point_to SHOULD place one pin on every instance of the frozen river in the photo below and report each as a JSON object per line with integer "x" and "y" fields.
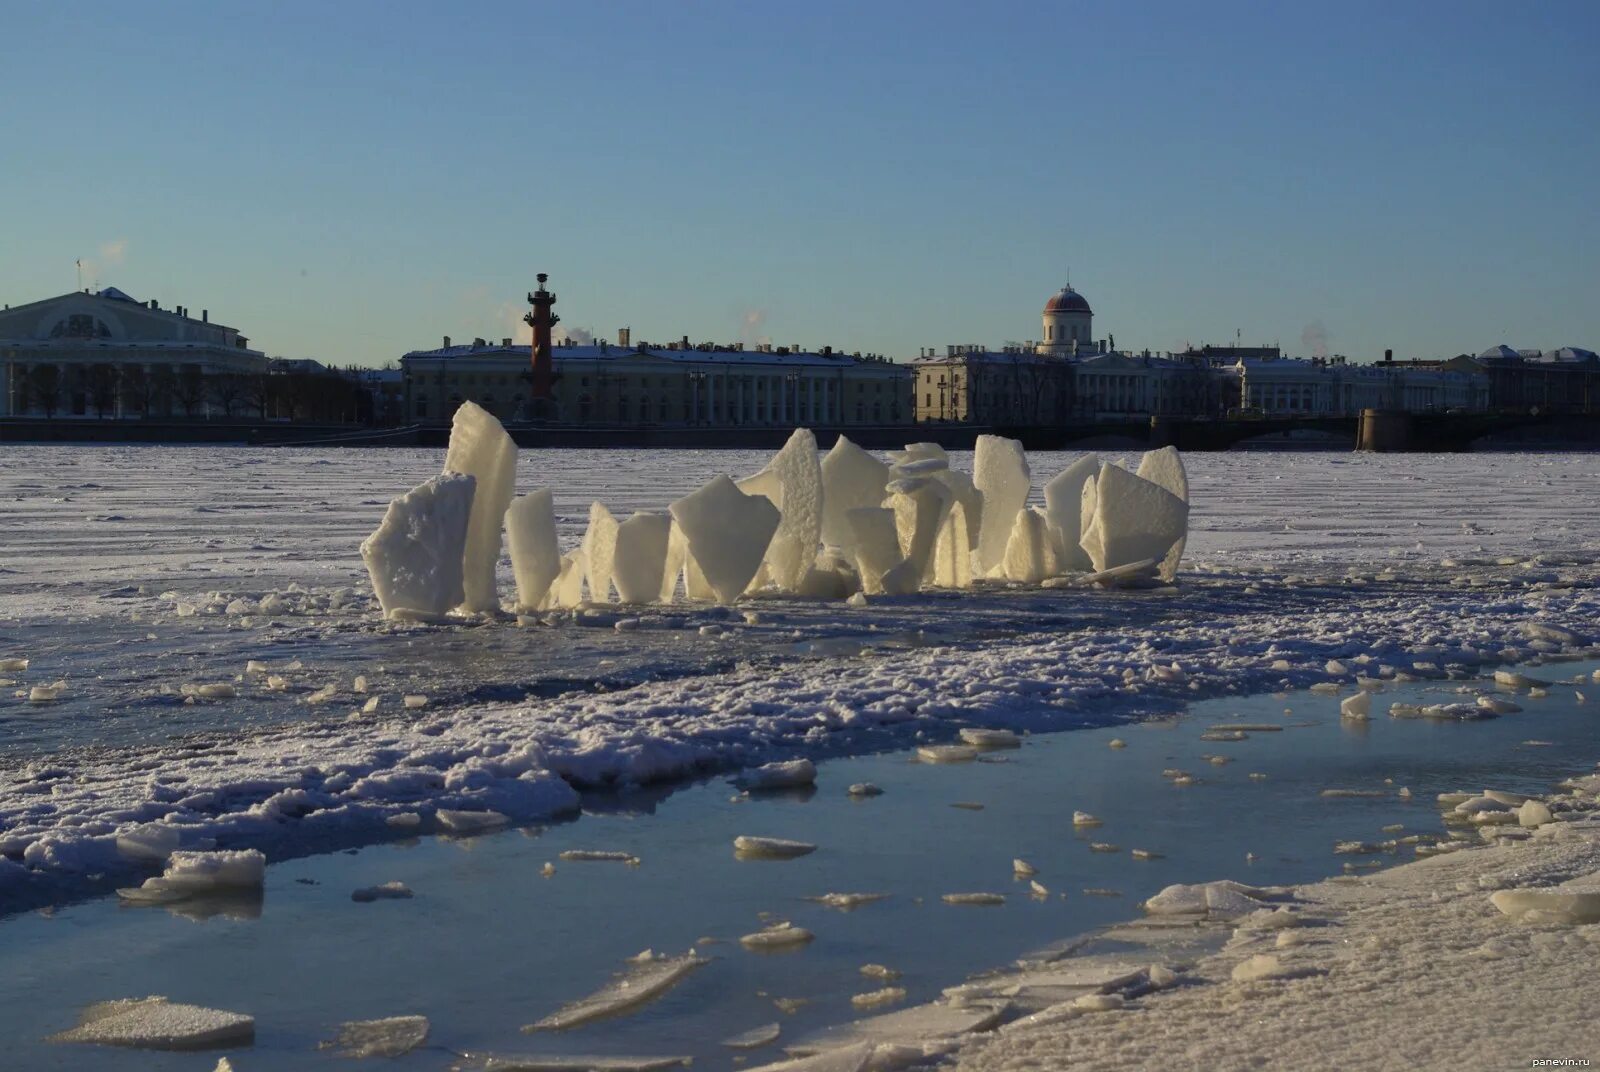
{"x": 136, "y": 574}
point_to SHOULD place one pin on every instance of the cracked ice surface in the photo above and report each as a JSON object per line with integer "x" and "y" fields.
{"x": 1284, "y": 583}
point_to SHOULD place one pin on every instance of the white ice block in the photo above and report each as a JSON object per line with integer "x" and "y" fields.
{"x": 567, "y": 590}
{"x": 952, "y": 554}
{"x": 481, "y": 449}
{"x": 641, "y": 556}
{"x": 877, "y": 545}
{"x": 535, "y": 550}
{"x": 851, "y": 478}
{"x": 1000, "y": 471}
{"x": 728, "y": 533}
{"x": 599, "y": 552}
{"x": 1063, "y": 496}
{"x": 1133, "y": 520}
{"x": 677, "y": 556}
{"x": 415, "y": 557}
{"x": 967, "y": 494}
{"x": 920, "y": 506}
{"x": 1165, "y": 467}
{"x": 1027, "y": 557}
{"x": 799, "y": 476}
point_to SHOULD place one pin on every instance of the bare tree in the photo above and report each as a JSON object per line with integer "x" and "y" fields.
{"x": 191, "y": 389}
{"x": 227, "y": 391}
{"x": 258, "y": 392}
{"x": 104, "y": 387}
{"x": 44, "y": 386}
{"x": 163, "y": 389}
{"x": 137, "y": 389}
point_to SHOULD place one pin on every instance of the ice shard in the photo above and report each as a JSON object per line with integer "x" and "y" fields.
{"x": 415, "y": 557}
{"x": 481, "y": 449}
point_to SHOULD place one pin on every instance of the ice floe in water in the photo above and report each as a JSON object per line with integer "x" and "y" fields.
{"x": 154, "y": 1023}
{"x": 647, "y": 977}
{"x": 394, "y": 1036}
{"x": 746, "y": 847}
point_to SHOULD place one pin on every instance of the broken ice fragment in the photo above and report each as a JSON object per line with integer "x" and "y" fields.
{"x": 798, "y": 473}
{"x": 791, "y": 775}
{"x": 640, "y": 558}
{"x": 865, "y": 789}
{"x": 1556, "y": 905}
{"x": 1023, "y": 868}
{"x": 783, "y": 935}
{"x": 1000, "y": 472}
{"x": 535, "y": 550}
{"x": 876, "y": 999}
{"x": 1083, "y": 818}
{"x": 1063, "y": 497}
{"x": 728, "y": 533}
{"x": 847, "y": 902}
{"x": 599, "y": 550}
{"x": 1133, "y": 520}
{"x": 155, "y": 1023}
{"x": 974, "y": 898}
{"x": 480, "y": 448}
{"x": 600, "y": 855}
{"x": 415, "y": 701}
{"x": 394, "y": 1036}
{"x": 580, "y": 1063}
{"x": 764, "y": 1035}
{"x": 765, "y": 848}
{"x": 13, "y": 665}
{"x": 980, "y": 737}
{"x": 1164, "y": 467}
{"x": 851, "y": 478}
{"x": 1357, "y": 707}
{"x": 646, "y": 979}
{"x": 415, "y": 558}
{"x": 947, "y": 753}
{"x": 470, "y": 822}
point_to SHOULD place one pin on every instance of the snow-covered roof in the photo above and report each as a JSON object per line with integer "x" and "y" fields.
{"x": 690, "y": 356}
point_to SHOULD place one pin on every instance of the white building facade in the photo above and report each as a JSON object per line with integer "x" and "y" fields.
{"x": 105, "y": 354}
{"x": 675, "y": 385}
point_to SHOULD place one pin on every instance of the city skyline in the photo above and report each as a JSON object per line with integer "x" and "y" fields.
{"x": 355, "y": 183}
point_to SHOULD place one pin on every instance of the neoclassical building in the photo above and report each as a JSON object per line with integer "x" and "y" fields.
{"x": 678, "y": 384}
{"x": 1030, "y": 383}
{"x": 104, "y": 354}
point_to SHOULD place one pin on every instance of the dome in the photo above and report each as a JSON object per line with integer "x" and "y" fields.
{"x": 1068, "y": 301}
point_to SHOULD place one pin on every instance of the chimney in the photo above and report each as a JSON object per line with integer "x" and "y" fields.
{"x": 624, "y": 336}
{"x": 205, "y": 316}
{"x": 506, "y": 343}
{"x": 685, "y": 342}
{"x": 447, "y": 342}
{"x": 1388, "y": 356}
{"x": 153, "y": 304}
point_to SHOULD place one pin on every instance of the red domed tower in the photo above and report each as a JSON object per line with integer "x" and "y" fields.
{"x": 1068, "y": 323}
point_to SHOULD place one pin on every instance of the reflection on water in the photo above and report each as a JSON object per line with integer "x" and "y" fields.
{"x": 490, "y": 942}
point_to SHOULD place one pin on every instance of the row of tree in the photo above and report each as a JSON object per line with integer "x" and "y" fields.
{"x": 109, "y": 390}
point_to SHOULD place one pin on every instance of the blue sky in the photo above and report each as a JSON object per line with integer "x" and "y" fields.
{"x": 349, "y": 181}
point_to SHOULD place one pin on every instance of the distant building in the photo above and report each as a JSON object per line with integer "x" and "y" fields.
{"x": 679, "y": 384}
{"x": 1566, "y": 380}
{"x": 105, "y": 354}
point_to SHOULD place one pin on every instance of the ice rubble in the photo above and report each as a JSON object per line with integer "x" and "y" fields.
{"x": 840, "y": 528}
